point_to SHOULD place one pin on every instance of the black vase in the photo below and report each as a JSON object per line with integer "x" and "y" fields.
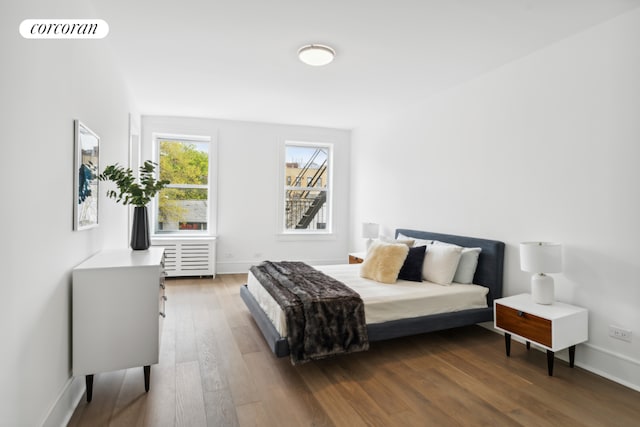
{"x": 140, "y": 231}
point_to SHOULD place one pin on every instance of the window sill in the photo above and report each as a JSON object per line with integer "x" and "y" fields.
{"x": 183, "y": 237}
{"x": 298, "y": 237}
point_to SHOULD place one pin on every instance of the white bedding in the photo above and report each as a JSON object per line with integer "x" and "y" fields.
{"x": 384, "y": 302}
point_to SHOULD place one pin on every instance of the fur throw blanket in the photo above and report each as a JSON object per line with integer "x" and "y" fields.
{"x": 324, "y": 317}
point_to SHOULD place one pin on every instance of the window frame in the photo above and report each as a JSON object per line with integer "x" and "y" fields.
{"x": 210, "y": 231}
{"x": 328, "y": 188}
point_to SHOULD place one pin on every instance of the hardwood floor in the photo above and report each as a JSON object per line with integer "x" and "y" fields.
{"x": 216, "y": 370}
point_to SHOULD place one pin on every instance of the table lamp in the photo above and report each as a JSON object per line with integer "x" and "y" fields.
{"x": 540, "y": 258}
{"x": 370, "y": 231}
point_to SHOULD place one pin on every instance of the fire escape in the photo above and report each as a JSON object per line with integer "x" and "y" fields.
{"x": 303, "y": 205}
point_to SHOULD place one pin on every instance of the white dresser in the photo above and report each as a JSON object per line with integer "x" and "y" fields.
{"x": 118, "y": 303}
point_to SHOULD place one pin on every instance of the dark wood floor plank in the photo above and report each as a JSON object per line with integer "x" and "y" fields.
{"x": 552, "y": 399}
{"x": 329, "y": 397}
{"x": 499, "y": 397}
{"x": 282, "y": 379}
{"x": 375, "y": 383}
{"x": 354, "y": 394}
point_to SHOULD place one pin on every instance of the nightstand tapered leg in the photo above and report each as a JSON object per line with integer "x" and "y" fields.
{"x": 507, "y": 344}
{"x": 550, "y": 362}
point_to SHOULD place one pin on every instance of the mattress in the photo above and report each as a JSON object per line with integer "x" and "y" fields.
{"x": 384, "y": 302}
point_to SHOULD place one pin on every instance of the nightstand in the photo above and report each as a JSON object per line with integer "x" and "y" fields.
{"x": 554, "y": 327}
{"x": 356, "y": 257}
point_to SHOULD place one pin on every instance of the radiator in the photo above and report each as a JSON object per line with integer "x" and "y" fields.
{"x": 188, "y": 256}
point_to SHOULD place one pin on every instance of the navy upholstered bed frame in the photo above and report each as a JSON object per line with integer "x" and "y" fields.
{"x": 488, "y": 273}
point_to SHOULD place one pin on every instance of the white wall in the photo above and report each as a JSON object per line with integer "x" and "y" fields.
{"x": 248, "y": 162}
{"x": 45, "y": 85}
{"x": 545, "y": 148}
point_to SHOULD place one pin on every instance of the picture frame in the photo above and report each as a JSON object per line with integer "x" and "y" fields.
{"x": 85, "y": 177}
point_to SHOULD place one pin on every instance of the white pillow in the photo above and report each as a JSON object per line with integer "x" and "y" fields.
{"x": 440, "y": 263}
{"x": 467, "y": 264}
{"x": 403, "y": 237}
{"x": 415, "y": 239}
{"x": 422, "y": 242}
{"x": 404, "y": 240}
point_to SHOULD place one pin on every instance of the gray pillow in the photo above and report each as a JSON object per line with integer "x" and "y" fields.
{"x": 467, "y": 265}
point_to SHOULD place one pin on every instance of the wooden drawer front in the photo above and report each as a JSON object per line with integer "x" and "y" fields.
{"x": 355, "y": 260}
{"x": 526, "y": 325}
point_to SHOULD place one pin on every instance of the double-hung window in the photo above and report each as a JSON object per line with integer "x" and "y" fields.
{"x": 307, "y": 192}
{"x": 183, "y": 206}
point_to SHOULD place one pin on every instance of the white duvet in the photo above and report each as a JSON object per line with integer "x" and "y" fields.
{"x": 384, "y": 302}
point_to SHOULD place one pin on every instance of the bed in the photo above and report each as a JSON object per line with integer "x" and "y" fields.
{"x": 488, "y": 276}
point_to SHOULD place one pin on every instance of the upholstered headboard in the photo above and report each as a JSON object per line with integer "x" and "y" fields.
{"x": 490, "y": 261}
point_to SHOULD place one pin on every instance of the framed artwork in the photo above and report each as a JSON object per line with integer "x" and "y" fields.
{"x": 85, "y": 177}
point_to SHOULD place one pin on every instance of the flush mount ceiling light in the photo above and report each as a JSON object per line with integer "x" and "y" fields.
{"x": 316, "y": 54}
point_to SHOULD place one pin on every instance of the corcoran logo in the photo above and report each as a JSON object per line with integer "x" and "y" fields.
{"x": 64, "y": 29}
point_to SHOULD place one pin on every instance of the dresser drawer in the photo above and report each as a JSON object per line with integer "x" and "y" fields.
{"x": 524, "y": 324}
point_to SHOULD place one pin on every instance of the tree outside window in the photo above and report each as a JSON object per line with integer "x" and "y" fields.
{"x": 183, "y": 206}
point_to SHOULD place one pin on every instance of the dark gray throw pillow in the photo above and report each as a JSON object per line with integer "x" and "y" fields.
{"x": 412, "y": 267}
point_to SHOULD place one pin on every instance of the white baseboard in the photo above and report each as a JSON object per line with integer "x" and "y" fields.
{"x": 600, "y": 361}
{"x": 62, "y": 410}
{"x": 609, "y": 364}
{"x": 235, "y": 267}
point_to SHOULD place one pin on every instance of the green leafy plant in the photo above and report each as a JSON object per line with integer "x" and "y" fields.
{"x": 130, "y": 191}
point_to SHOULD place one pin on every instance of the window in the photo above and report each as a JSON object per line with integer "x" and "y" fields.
{"x": 183, "y": 206}
{"x": 307, "y": 208}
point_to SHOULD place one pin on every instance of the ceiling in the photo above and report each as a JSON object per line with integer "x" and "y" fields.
{"x": 236, "y": 59}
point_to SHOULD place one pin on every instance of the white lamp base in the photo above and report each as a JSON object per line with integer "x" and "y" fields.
{"x": 542, "y": 289}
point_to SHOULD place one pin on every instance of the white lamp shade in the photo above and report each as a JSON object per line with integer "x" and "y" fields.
{"x": 370, "y": 230}
{"x": 541, "y": 257}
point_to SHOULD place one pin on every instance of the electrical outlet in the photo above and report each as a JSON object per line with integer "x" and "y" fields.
{"x": 620, "y": 333}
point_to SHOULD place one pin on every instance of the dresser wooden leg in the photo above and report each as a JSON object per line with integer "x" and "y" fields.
{"x": 550, "y": 362}
{"x": 147, "y": 375}
{"x": 572, "y": 355}
{"x": 507, "y": 344}
{"x": 528, "y": 345}
{"x": 89, "y": 382}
